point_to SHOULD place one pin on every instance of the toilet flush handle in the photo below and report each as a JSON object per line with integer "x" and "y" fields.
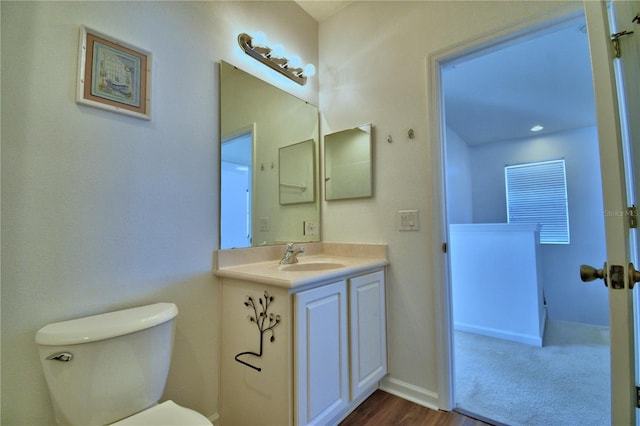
{"x": 62, "y": 356}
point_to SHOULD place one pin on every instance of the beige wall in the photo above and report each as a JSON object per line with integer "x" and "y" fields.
{"x": 102, "y": 211}
{"x": 373, "y": 68}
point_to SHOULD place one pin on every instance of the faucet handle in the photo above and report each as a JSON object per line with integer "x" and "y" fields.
{"x": 289, "y": 246}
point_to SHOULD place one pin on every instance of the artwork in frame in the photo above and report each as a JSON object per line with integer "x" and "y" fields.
{"x": 113, "y": 75}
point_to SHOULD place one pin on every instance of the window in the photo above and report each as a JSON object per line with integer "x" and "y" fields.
{"x": 537, "y": 193}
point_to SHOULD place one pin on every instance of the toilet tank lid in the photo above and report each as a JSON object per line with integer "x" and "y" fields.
{"x": 105, "y": 326}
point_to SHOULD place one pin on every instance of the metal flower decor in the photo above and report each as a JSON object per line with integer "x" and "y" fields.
{"x": 265, "y": 322}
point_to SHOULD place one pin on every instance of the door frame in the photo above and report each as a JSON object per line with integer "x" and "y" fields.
{"x": 435, "y": 62}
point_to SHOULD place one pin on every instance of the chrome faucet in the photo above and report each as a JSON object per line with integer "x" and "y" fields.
{"x": 290, "y": 256}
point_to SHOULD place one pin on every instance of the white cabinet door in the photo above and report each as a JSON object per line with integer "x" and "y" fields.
{"x": 368, "y": 332}
{"x": 321, "y": 344}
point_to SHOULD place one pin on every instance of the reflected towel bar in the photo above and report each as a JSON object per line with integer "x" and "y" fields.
{"x": 290, "y": 185}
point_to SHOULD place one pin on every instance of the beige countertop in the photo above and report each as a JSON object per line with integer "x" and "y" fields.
{"x": 262, "y": 264}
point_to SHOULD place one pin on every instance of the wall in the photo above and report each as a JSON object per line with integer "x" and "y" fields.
{"x": 459, "y": 195}
{"x": 496, "y": 289}
{"x": 373, "y": 68}
{"x": 102, "y": 211}
{"x": 568, "y": 298}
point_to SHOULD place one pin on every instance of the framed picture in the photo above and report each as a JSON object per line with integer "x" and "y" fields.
{"x": 113, "y": 75}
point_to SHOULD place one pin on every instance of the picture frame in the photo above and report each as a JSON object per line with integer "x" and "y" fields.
{"x": 113, "y": 75}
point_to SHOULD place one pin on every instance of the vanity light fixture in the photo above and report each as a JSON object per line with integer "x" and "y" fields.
{"x": 275, "y": 58}
{"x": 536, "y": 128}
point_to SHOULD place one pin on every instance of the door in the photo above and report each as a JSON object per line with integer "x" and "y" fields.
{"x": 616, "y": 269}
{"x": 321, "y": 362}
{"x": 368, "y": 332}
{"x": 625, "y": 19}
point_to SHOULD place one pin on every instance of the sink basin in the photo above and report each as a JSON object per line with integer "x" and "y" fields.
{"x": 311, "y": 266}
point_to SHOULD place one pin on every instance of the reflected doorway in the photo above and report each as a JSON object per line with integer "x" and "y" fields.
{"x": 236, "y": 183}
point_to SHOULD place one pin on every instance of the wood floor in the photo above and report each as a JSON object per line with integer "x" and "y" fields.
{"x": 384, "y": 409}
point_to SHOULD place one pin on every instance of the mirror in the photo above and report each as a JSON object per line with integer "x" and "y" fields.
{"x": 348, "y": 164}
{"x": 297, "y": 173}
{"x": 256, "y": 121}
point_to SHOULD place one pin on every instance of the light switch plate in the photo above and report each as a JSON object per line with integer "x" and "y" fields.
{"x": 264, "y": 224}
{"x": 408, "y": 220}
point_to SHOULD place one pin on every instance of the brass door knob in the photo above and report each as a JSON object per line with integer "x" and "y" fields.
{"x": 589, "y": 273}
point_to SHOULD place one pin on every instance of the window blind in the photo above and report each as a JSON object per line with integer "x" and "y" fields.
{"x": 537, "y": 193}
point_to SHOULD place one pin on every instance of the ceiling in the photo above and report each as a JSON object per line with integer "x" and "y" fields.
{"x": 542, "y": 79}
{"x": 322, "y": 9}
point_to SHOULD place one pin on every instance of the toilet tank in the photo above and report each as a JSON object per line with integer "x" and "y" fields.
{"x": 106, "y": 367}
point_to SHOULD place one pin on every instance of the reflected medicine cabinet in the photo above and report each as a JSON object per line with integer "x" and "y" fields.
{"x": 297, "y": 172}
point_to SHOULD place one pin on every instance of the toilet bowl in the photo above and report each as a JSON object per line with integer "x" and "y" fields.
{"x": 112, "y": 368}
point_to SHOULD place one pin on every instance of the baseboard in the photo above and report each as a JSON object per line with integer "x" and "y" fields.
{"x": 214, "y": 419}
{"x": 479, "y": 417}
{"x": 410, "y": 392}
{"x": 527, "y": 339}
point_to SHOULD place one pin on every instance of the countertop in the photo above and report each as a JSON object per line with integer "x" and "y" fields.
{"x": 356, "y": 258}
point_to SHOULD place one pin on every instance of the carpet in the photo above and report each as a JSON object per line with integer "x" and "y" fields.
{"x": 565, "y": 382}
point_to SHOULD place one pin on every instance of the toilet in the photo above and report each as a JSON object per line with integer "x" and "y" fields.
{"x": 111, "y": 369}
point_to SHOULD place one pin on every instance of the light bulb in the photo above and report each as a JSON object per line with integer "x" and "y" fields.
{"x": 294, "y": 62}
{"x": 259, "y": 39}
{"x": 277, "y": 51}
{"x": 309, "y": 70}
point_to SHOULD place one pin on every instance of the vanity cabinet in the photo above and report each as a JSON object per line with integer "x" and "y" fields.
{"x": 328, "y": 354}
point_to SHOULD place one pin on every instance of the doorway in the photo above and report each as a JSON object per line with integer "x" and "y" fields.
{"x": 485, "y": 133}
{"x": 236, "y": 177}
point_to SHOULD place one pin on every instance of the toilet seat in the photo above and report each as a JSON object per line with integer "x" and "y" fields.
{"x": 167, "y": 413}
